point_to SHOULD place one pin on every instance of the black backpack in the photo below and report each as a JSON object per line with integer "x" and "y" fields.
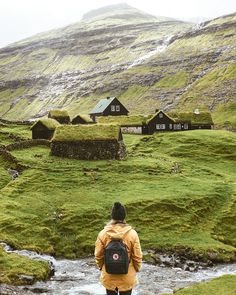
{"x": 116, "y": 257}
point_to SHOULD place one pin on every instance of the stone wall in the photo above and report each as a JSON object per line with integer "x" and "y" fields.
{"x": 91, "y": 150}
{"x": 27, "y": 144}
{"x": 12, "y": 160}
{"x": 15, "y": 122}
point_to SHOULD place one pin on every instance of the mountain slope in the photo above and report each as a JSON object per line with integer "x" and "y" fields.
{"x": 148, "y": 62}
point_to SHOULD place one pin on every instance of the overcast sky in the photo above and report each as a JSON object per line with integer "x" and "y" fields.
{"x": 23, "y": 18}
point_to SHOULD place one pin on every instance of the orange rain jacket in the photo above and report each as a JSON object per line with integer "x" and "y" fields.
{"x": 130, "y": 237}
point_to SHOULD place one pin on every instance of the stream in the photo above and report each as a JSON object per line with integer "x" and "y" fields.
{"x": 81, "y": 277}
{"x": 158, "y": 49}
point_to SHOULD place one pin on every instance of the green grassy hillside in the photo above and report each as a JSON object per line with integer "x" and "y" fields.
{"x": 147, "y": 62}
{"x": 225, "y": 285}
{"x": 59, "y": 205}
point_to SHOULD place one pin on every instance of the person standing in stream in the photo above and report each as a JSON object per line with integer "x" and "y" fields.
{"x": 118, "y": 229}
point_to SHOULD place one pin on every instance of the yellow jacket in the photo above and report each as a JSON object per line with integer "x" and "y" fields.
{"x": 130, "y": 237}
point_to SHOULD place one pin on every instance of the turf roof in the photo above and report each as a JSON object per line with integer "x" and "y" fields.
{"x": 51, "y": 124}
{"x": 86, "y": 118}
{"x": 201, "y": 118}
{"x": 95, "y": 132}
{"x": 123, "y": 120}
{"x": 58, "y": 113}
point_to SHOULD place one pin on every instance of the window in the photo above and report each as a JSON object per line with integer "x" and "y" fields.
{"x": 186, "y": 126}
{"x": 177, "y": 126}
{"x": 160, "y": 115}
{"x": 170, "y": 126}
{"x": 160, "y": 126}
{"x": 113, "y": 108}
{"x": 117, "y": 108}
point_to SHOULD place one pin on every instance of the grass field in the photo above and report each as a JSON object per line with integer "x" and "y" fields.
{"x": 225, "y": 285}
{"x": 58, "y": 205}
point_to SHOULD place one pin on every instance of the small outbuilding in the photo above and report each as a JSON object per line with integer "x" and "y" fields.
{"x": 61, "y": 116}
{"x": 82, "y": 119}
{"x": 88, "y": 142}
{"x": 44, "y": 128}
{"x": 109, "y": 106}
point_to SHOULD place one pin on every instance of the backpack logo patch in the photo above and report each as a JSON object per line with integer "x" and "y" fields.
{"x": 116, "y": 256}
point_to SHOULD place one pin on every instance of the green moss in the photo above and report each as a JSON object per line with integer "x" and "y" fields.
{"x": 217, "y": 75}
{"x": 225, "y": 115}
{"x": 22, "y": 131}
{"x": 225, "y": 285}
{"x": 123, "y": 120}
{"x": 58, "y": 113}
{"x": 51, "y": 124}
{"x": 84, "y": 117}
{"x": 178, "y": 80}
{"x": 86, "y": 132}
{"x": 12, "y": 266}
{"x": 201, "y": 118}
{"x": 68, "y": 201}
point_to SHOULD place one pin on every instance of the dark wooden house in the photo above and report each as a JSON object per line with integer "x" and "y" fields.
{"x": 163, "y": 122}
{"x": 82, "y": 119}
{"x": 44, "y": 128}
{"x": 88, "y": 142}
{"x": 109, "y": 106}
{"x": 61, "y": 116}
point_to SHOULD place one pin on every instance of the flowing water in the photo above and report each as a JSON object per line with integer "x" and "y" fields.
{"x": 81, "y": 277}
{"x": 146, "y": 56}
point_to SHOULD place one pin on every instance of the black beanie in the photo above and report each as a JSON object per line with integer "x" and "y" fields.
{"x": 118, "y": 211}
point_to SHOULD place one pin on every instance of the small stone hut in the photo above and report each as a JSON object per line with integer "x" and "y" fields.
{"x": 88, "y": 142}
{"x": 82, "y": 119}
{"x": 61, "y": 116}
{"x": 44, "y": 128}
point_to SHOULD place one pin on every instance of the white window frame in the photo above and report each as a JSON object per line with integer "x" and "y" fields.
{"x": 170, "y": 126}
{"x": 113, "y": 108}
{"x": 177, "y": 126}
{"x": 160, "y": 126}
{"x": 186, "y": 126}
{"x": 160, "y": 115}
{"x": 117, "y": 108}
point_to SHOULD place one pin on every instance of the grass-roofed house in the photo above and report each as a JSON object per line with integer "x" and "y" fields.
{"x": 162, "y": 121}
{"x": 109, "y": 106}
{"x": 44, "y": 128}
{"x": 88, "y": 142}
{"x": 61, "y": 116}
{"x": 158, "y": 122}
{"x": 198, "y": 120}
{"x": 82, "y": 119}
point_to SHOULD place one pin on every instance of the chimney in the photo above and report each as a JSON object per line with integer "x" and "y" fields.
{"x": 108, "y": 97}
{"x": 157, "y": 110}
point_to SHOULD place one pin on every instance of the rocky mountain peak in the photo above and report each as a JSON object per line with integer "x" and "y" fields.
{"x": 121, "y": 10}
